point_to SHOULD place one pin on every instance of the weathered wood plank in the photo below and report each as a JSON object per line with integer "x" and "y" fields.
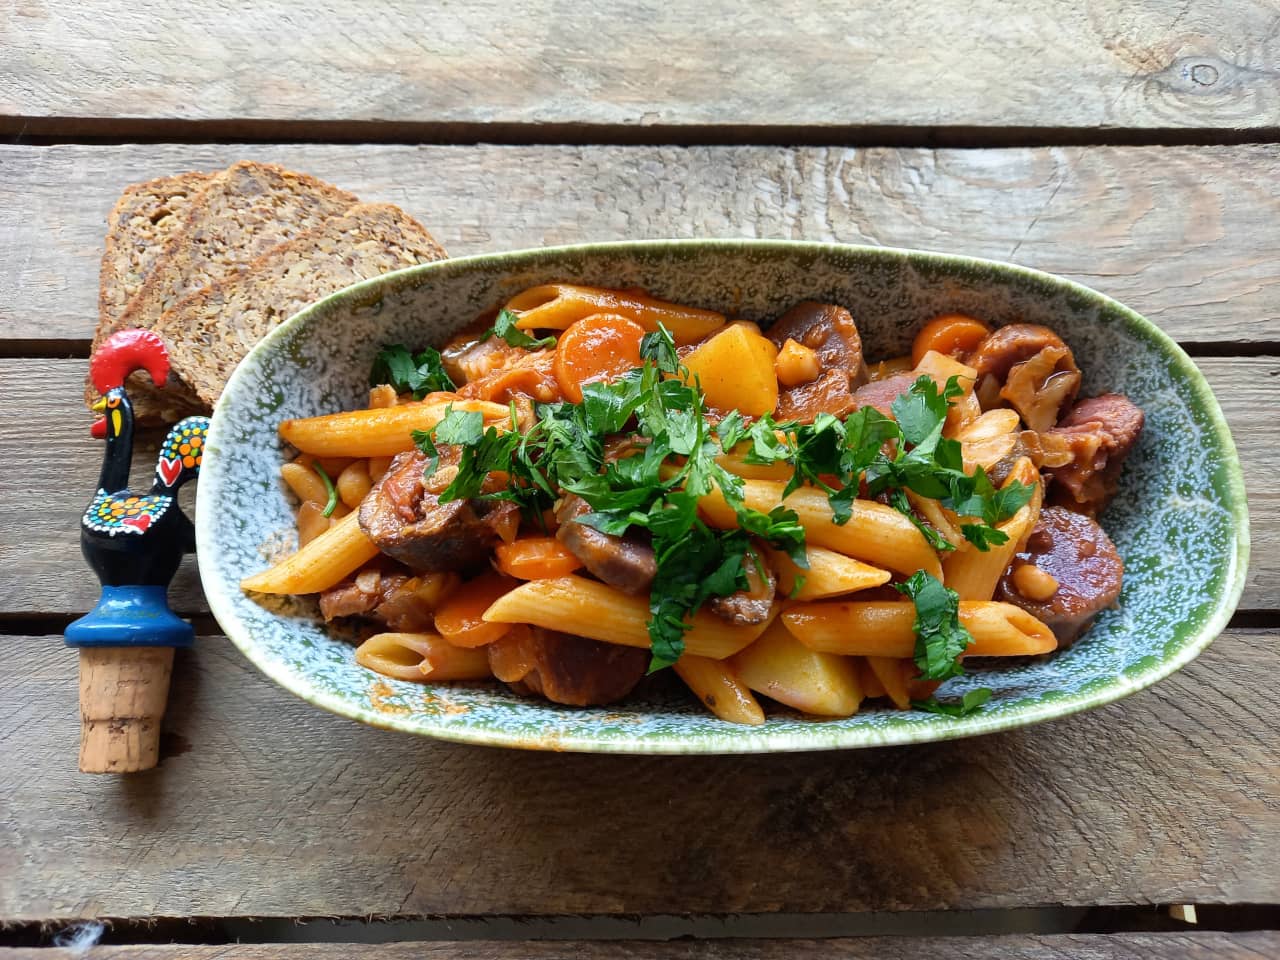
{"x": 1174, "y": 232}
{"x": 633, "y": 64}
{"x": 265, "y": 806}
{"x": 1121, "y": 946}
{"x": 47, "y": 485}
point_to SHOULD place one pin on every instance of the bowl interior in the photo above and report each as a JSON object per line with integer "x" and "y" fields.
{"x": 1179, "y": 520}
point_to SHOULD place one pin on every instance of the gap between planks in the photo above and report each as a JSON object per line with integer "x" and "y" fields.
{"x": 918, "y": 926}
{"x": 111, "y": 131}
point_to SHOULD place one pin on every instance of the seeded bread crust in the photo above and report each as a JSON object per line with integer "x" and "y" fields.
{"x": 138, "y": 229}
{"x": 243, "y": 212}
{"x": 210, "y": 331}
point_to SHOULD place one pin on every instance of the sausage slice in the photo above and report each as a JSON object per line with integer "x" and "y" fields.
{"x": 627, "y": 563}
{"x": 829, "y": 331}
{"x": 1077, "y": 553}
{"x": 408, "y": 522}
{"x": 1097, "y": 435}
{"x": 564, "y": 668}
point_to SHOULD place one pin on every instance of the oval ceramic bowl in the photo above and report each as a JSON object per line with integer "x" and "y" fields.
{"x": 1179, "y": 521}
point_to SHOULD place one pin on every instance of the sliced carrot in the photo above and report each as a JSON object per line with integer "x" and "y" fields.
{"x": 596, "y": 348}
{"x": 460, "y": 618}
{"x": 952, "y": 333}
{"x": 536, "y": 558}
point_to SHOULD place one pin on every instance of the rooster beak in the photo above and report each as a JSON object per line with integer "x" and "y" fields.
{"x": 100, "y": 405}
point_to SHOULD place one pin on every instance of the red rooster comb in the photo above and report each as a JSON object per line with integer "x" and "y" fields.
{"x": 124, "y": 352}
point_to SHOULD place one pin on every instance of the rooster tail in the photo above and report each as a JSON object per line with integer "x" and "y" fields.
{"x": 181, "y": 454}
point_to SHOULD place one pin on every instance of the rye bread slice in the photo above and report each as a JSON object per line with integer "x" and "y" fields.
{"x": 243, "y": 212}
{"x": 212, "y": 330}
{"x": 138, "y": 227}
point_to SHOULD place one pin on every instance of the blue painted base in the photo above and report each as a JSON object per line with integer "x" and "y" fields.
{"x": 131, "y": 617}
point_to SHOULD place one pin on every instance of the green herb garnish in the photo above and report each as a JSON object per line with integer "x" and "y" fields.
{"x": 332, "y": 503}
{"x": 417, "y": 373}
{"x": 968, "y": 704}
{"x": 505, "y": 328}
{"x": 940, "y": 636}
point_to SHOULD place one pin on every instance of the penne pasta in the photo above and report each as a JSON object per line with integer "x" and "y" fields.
{"x": 554, "y": 306}
{"x": 973, "y": 573}
{"x": 305, "y": 483}
{"x": 875, "y": 534}
{"x": 737, "y": 465}
{"x": 783, "y": 669}
{"x": 830, "y": 574}
{"x": 720, "y": 689}
{"x": 311, "y": 522}
{"x": 872, "y": 689}
{"x": 380, "y": 432}
{"x": 893, "y": 676}
{"x": 592, "y": 609}
{"x": 886, "y": 629}
{"x": 326, "y": 560}
{"x": 421, "y": 657}
{"x": 941, "y": 368}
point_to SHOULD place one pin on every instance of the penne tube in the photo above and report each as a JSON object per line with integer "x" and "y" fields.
{"x": 875, "y": 534}
{"x": 738, "y": 466}
{"x": 311, "y": 522}
{"x": 872, "y": 689}
{"x": 554, "y": 306}
{"x": 964, "y": 408}
{"x": 886, "y": 629}
{"x": 326, "y": 560}
{"x": 892, "y": 675}
{"x": 937, "y": 517}
{"x": 830, "y": 574}
{"x": 397, "y": 655}
{"x": 783, "y": 669}
{"x": 720, "y": 689}
{"x": 973, "y": 573}
{"x": 305, "y": 483}
{"x": 421, "y": 657}
{"x": 380, "y": 432}
{"x": 592, "y": 609}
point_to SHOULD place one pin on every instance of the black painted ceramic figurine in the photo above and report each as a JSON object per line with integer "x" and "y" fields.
{"x": 134, "y": 543}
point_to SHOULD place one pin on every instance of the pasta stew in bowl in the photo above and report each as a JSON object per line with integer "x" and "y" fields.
{"x": 800, "y": 508}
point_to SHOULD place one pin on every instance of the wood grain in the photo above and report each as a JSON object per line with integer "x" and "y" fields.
{"x": 556, "y": 68}
{"x": 1176, "y": 233}
{"x": 265, "y": 806}
{"x": 39, "y": 545}
{"x": 1122, "y": 946}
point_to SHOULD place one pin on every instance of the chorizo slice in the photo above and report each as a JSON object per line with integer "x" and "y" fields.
{"x": 627, "y": 562}
{"x": 565, "y": 668}
{"x": 829, "y": 331}
{"x": 1094, "y": 438}
{"x": 1075, "y": 573}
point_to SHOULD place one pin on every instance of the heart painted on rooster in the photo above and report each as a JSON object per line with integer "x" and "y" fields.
{"x": 169, "y": 470}
{"x": 139, "y": 523}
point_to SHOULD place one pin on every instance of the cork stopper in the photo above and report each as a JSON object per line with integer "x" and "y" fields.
{"x": 122, "y": 698}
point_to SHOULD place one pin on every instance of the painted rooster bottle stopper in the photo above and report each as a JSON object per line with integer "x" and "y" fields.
{"x": 134, "y": 543}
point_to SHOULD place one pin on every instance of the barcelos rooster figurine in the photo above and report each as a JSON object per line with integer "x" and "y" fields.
{"x": 134, "y": 543}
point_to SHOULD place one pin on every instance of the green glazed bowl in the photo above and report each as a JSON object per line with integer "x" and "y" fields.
{"x": 1179, "y": 521}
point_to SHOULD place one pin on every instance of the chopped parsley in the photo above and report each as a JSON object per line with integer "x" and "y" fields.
{"x": 968, "y": 704}
{"x": 332, "y": 502}
{"x": 654, "y": 482}
{"x": 940, "y": 636}
{"x": 417, "y": 373}
{"x": 504, "y": 327}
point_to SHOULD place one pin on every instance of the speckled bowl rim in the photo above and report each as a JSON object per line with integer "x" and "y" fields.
{"x": 747, "y": 740}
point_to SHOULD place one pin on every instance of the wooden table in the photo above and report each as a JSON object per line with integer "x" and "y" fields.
{"x": 1133, "y": 147}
